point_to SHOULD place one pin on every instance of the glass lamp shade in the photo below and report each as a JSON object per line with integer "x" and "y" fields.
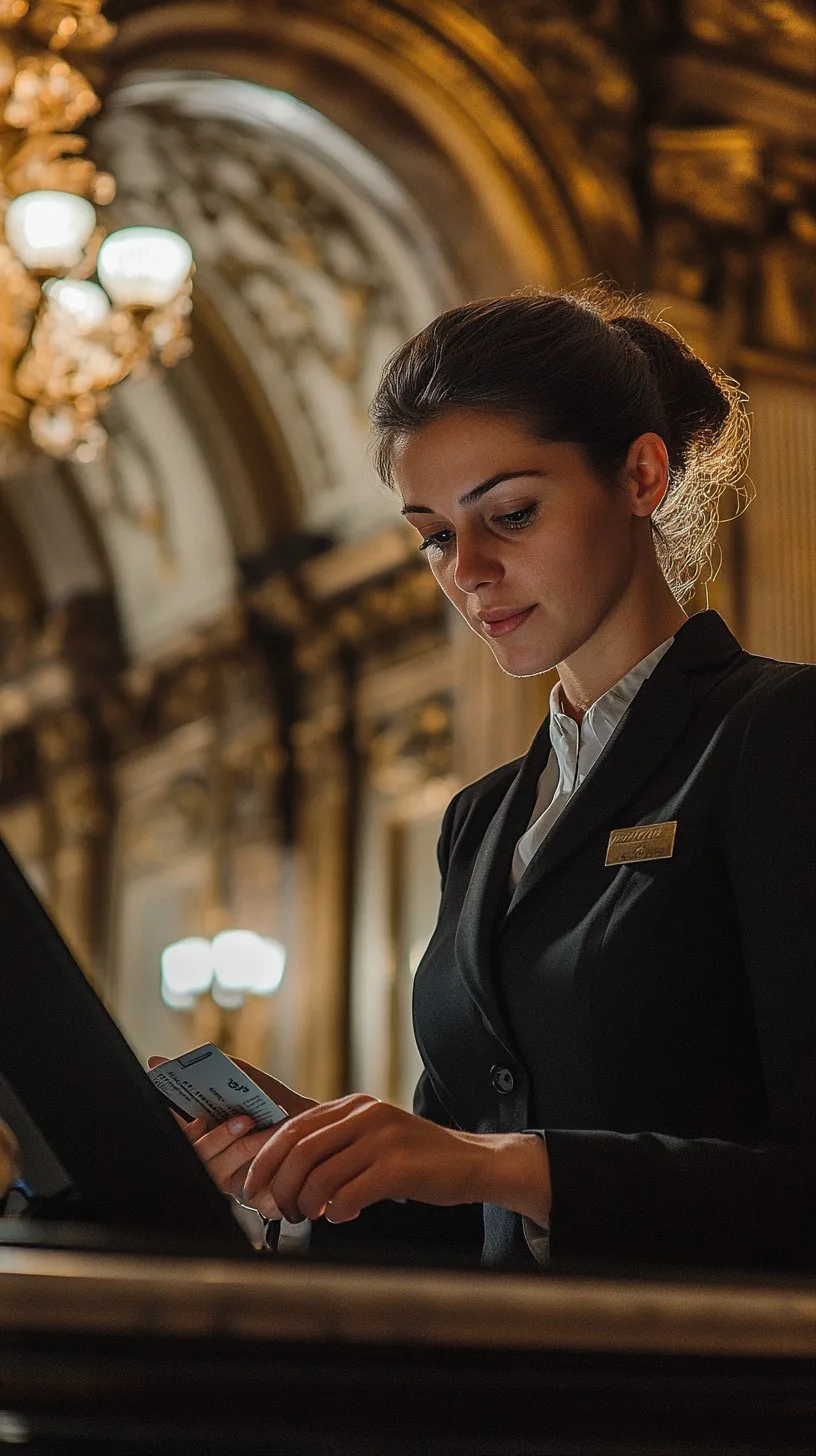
{"x": 186, "y": 971}
{"x": 246, "y": 963}
{"x": 143, "y": 267}
{"x": 49, "y": 231}
{"x": 269, "y": 969}
{"x": 86, "y": 304}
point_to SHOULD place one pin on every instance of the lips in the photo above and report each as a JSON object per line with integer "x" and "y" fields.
{"x": 498, "y": 623}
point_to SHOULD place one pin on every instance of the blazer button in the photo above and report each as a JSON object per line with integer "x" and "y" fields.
{"x": 502, "y": 1079}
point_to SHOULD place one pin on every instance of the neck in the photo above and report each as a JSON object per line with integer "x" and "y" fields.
{"x": 625, "y": 636}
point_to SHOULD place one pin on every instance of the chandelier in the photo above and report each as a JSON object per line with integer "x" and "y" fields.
{"x": 65, "y": 339}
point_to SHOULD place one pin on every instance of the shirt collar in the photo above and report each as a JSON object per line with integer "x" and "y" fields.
{"x": 603, "y": 716}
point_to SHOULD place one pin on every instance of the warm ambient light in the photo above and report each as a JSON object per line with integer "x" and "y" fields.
{"x": 144, "y": 267}
{"x": 235, "y": 964}
{"x": 49, "y": 231}
{"x": 187, "y": 972}
{"x": 87, "y": 304}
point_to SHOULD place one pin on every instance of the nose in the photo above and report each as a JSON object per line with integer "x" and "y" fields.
{"x": 476, "y": 564}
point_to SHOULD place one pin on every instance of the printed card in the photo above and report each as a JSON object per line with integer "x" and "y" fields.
{"x": 206, "y": 1083}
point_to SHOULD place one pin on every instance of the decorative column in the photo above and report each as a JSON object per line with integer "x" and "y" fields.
{"x": 77, "y": 806}
{"x": 323, "y": 868}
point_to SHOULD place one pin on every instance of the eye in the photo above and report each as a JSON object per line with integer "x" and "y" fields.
{"x": 514, "y": 519}
{"x": 511, "y": 520}
{"x": 435, "y": 542}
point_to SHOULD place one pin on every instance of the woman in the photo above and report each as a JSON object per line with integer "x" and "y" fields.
{"x": 615, "y": 1011}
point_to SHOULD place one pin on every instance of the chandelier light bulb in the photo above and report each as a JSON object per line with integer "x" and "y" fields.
{"x": 269, "y": 968}
{"x": 237, "y": 956}
{"x": 186, "y": 971}
{"x": 144, "y": 267}
{"x": 86, "y": 304}
{"x": 49, "y": 231}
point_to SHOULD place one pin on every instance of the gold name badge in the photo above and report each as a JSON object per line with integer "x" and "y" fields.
{"x": 645, "y": 841}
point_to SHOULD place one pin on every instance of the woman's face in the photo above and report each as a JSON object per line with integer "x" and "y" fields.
{"x": 527, "y": 543}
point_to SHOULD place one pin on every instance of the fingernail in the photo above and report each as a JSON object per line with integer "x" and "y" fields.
{"x": 239, "y": 1124}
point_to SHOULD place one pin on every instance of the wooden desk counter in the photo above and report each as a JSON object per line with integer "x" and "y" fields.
{"x": 272, "y": 1301}
{"x": 103, "y": 1353}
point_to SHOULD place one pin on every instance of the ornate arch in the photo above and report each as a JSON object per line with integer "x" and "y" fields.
{"x": 516, "y": 118}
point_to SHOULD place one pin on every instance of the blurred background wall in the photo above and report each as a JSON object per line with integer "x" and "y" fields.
{"x": 230, "y": 693}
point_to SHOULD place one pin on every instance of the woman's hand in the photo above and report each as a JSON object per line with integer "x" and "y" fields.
{"x": 9, "y": 1153}
{"x": 228, "y": 1149}
{"x": 336, "y": 1158}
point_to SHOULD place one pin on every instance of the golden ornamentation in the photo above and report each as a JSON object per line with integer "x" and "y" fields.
{"x": 55, "y": 162}
{"x": 574, "y": 64}
{"x": 409, "y": 598}
{"x": 172, "y": 822}
{"x": 786, "y": 317}
{"x": 45, "y": 94}
{"x": 55, "y": 366}
{"x": 714, "y": 172}
{"x": 79, "y": 805}
{"x": 60, "y": 23}
{"x": 64, "y": 738}
{"x": 786, "y": 314}
{"x": 411, "y": 747}
{"x": 773, "y": 32}
{"x": 684, "y": 259}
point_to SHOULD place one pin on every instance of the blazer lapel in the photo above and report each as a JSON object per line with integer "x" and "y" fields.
{"x": 642, "y": 740}
{"x": 488, "y": 891}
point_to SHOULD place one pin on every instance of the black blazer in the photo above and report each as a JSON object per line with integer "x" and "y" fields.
{"x": 655, "y": 1019}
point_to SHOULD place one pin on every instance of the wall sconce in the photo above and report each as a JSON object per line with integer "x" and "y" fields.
{"x": 234, "y": 964}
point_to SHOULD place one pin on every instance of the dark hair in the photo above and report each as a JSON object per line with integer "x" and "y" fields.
{"x": 591, "y": 367}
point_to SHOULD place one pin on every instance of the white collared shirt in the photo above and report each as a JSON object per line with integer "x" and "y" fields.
{"x": 576, "y": 750}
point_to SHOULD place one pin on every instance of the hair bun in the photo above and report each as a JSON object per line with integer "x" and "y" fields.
{"x": 695, "y": 403}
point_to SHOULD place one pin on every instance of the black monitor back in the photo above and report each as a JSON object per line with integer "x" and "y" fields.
{"x": 66, "y": 1064}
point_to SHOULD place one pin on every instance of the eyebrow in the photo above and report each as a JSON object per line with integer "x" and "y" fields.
{"x": 476, "y": 493}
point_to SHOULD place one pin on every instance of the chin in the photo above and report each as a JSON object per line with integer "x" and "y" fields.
{"x": 523, "y": 664}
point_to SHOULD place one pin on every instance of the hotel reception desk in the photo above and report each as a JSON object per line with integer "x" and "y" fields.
{"x": 110, "y": 1353}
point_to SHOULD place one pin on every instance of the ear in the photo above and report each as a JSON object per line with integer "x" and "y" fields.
{"x": 645, "y": 474}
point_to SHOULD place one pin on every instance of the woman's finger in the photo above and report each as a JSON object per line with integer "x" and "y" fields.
{"x": 310, "y": 1158}
{"x": 8, "y": 1141}
{"x": 216, "y": 1139}
{"x": 324, "y": 1183}
{"x": 9, "y": 1153}
{"x": 298, "y": 1129}
{"x": 192, "y": 1130}
{"x": 236, "y": 1157}
{"x": 349, "y": 1201}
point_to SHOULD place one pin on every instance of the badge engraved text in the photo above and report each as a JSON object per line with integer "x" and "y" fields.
{"x": 644, "y": 841}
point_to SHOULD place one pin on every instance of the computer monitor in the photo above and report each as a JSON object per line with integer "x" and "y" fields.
{"x": 99, "y": 1146}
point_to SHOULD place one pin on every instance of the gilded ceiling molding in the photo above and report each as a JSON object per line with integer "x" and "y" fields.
{"x": 736, "y": 225}
{"x": 780, "y": 33}
{"x": 559, "y": 208}
{"x": 714, "y": 172}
